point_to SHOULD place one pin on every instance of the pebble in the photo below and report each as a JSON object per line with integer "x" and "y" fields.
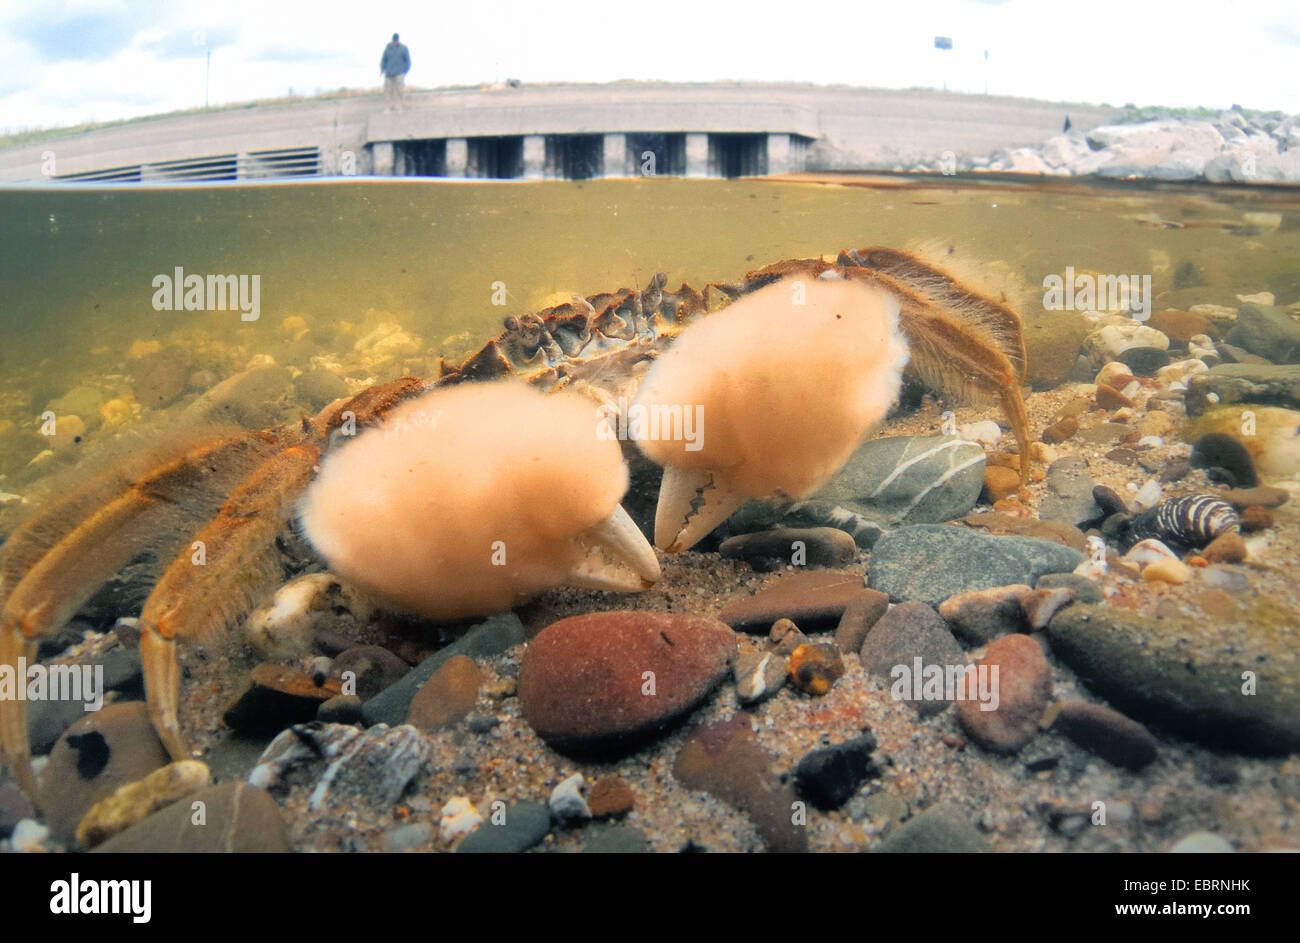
{"x": 47, "y": 719}
{"x": 1145, "y": 361}
{"x": 1024, "y": 685}
{"x": 940, "y": 829}
{"x": 932, "y": 562}
{"x": 1104, "y": 433}
{"x": 135, "y": 801}
{"x": 908, "y": 479}
{"x": 567, "y": 804}
{"x": 1106, "y": 732}
{"x": 318, "y": 388}
{"x": 982, "y": 615}
{"x": 1255, "y": 518}
{"x": 986, "y": 432}
{"x": 97, "y": 755}
{"x": 14, "y": 807}
{"x": 815, "y": 601}
{"x": 1070, "y": 493}
{"x": 1148, "y": 551}
{"x": 457, "y": 819}
{"x": 1167, "y": 570}
{"x": 785, "y": 637}
{"x": 491, "y": 637}
{"x": 1264, "y": 383}
{"x": 1181, "y": 326}
{"x": 1176, "y": 672}
{"x": 1216, "y": 450}
{"x": 1226, "y": 548}
{"x": 792, "y": 546}
{"x": 373, "y": 668}
{"x": 1109, "y": 500}
{"x": 1147, "y": 496}
{"x": 1112, "y": 373}
{"x": 610, "y": 797}
{"x": 1217, "y": 577}
{"x": 616, "y": 840}
{"x": 814, "y": 668}
{"x": 1268, "y": 331}
{"x": 827, "y": 777}
{"x": 278, "y": 697}
{"x": 522, "y": 826}
{"x": 1110, "y": 398}
{"x": 340, "y": 709}
{"x": 375, "y": 768}
{"x": 608, "y": 681}
{"x": 1264, "y": 496}
{"x": 414, "y": 837}
{"x": 29, "y": 837}
{"x": 1202, "y": 843}
{"x": 1112, "y": 340}
{"x": 725, "y": 760}
{"x": 447, "y": 697}
{"x": 1040, "y": 605}
{"x": 859, "y": 616}
{"x": 759, "y": 676}
{"x": 237, "y": 818}
{"x": 1000, "y": 482}
{"x": 908, "y": 631}
{"x": 1060, "y": 431}
{"x": 1085, "y": 590}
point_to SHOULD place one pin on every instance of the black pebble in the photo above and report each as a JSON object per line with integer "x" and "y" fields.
{"x": 1222, "y": 453}
{"x": 92, "y": 753}
{"x": 1144, "y": 361}
{"x": 829, "y": 776}
{"x": 1108, "y": 500}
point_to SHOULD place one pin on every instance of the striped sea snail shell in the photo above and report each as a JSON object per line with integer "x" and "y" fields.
{"x": 1190, "y": 521}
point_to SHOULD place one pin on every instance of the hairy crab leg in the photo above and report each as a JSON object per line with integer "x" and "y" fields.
{"x": 13, "y": 712}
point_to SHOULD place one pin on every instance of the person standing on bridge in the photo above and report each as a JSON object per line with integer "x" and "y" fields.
{"x": 394, "y": 65}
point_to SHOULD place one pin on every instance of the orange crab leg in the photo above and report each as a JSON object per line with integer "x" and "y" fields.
{"x": 13, "y": 711}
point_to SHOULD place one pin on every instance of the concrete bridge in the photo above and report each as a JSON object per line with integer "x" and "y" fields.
{"x": 554, "y": 131}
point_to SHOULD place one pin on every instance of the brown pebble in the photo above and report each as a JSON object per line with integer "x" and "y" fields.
{"x": 1041, "y": 604}
{"x": 1110, "y": 398}
{"x": 448, "y": 696}
{"x": 1108, "y": 733}
{"x": 981, "y": 615}
{"x": 610, "y": 797}
{"x": 815, "y": 667}
{"x": 1001, "y": 460}
{"x": 1060, "y": 431}
{"x": 1259, "y": 496}
{"x": 1024, "y": 685}
{"x": 815, "y": 600}
{"x": 278, "y": 697}
{"x": 1226, "y": 548}
{"x": 785, "y": 637}
{"x": 1255, "y": 518}
{"x": 1074, "y": 408}
{"x": 953, "y": 741}
{"x": 858, "y": 619}
{"x": 1000, "y": 483}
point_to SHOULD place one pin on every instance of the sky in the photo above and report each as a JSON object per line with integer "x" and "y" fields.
{"x": 64, "y": 63}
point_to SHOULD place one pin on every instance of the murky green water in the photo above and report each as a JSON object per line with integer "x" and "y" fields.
{"x": 77, "y": 264}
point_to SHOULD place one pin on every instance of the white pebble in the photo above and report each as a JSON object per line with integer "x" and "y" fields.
{"x": 1148, "y": 551}
{"x": 1202, "y": 842}
{"x": 29, "y": 836}
{"x": 987, "y": 433}
{"x": 459, "y": 818}
{"x": 1148, "y": 495}
{"x": 1150, "y": 441}
{"x": 566, "y": 802}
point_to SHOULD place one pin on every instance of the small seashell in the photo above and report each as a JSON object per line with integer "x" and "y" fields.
{"x": 1187, "y": 522}
{"x": 1148, "y": 496}
{"x": 1148, "y": 551}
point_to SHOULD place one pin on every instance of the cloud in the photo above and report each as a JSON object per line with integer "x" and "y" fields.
{"x": 298, "y": 54}
{"x": 191, "y": 44}
{"x": 87, "y": 36}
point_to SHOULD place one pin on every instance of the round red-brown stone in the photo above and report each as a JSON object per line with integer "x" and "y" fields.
{"x": 608, "y": 681}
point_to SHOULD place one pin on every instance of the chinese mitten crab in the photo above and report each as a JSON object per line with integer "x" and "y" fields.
{"x": 473, "y": 497}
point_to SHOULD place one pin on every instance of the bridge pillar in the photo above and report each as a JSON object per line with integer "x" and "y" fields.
{"x": 457, "y": 157}
{"x": 778, "y": 154}
{"x": 534, "y": 156}
{"x": 381, "y": 157}
{"x": 697, "y": 155}
{"x": 615, "y": 155}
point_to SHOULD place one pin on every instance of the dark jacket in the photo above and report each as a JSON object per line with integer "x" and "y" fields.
{"x": 396, "y": 60}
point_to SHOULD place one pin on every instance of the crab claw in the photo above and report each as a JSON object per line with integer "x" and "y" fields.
{"x": 617, "y": 557}
{"x": 476, "y": 497}
{"x": 789, "y": 378}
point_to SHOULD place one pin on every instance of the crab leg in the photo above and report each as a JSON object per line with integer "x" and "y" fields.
{"x": 619, "y": 559}
{"x": 692, "y": 501}
{"x": 13, "y": 712}
{"x": 203, "y": 595}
